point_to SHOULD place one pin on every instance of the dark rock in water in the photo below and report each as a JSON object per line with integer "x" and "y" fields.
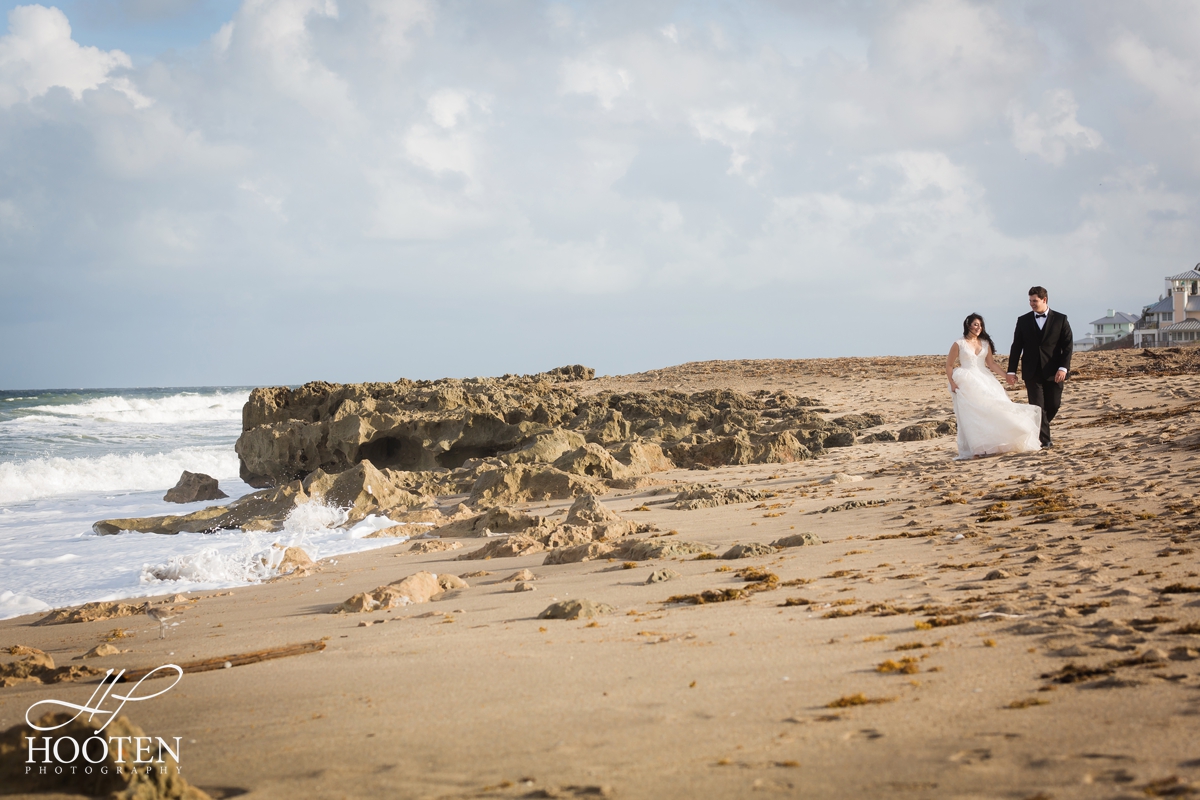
{"x": 194, "y": 487}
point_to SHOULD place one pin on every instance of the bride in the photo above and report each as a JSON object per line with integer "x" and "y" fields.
{"x": 988, "y": 422}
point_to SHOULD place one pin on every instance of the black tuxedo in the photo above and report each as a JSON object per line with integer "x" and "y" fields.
{"x": 1041, "y": 352}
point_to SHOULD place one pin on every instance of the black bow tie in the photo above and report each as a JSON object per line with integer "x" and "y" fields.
{"x": 1039, "y": 316}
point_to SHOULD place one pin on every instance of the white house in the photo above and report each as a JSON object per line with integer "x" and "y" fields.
{"x": 1175, "y": 318}
{"x": 1108, "y": 328}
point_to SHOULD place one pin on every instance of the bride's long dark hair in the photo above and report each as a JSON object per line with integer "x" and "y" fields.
{"x": 983, "y": 334}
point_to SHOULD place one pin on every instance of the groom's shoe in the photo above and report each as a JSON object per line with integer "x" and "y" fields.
{"x": 1047, "y": 445}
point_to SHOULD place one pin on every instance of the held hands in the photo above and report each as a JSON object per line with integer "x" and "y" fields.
{"x": 1011, "y": 380}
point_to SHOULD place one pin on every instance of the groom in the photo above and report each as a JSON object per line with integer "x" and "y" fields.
{"x": 1044, "y": 337}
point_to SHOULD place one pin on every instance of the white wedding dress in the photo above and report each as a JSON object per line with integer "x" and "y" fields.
{"x": 988, "y": 422}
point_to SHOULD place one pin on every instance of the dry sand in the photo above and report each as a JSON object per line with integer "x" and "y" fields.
{"x": 473, "y": 696}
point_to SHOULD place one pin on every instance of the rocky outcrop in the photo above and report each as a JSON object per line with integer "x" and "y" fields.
{"x": 194, "y": 487}
{"x": 455, "y": 430}
{"x": 521, "y": 484}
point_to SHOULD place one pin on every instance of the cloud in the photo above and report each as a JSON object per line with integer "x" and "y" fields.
{"x": 1053, "y": 131}
{"x": 38, "y": 54}
{"x": 500, "y": 187}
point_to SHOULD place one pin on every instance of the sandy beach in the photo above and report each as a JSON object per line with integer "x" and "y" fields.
{"x": 1021, "y": 626}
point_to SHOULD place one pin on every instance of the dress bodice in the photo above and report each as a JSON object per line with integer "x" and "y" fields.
{"x": 967, "y": 357}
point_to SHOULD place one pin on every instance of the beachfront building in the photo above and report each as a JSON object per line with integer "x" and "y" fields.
{"x": 1175, "y": 318}
{"x": 1108, "y": 328}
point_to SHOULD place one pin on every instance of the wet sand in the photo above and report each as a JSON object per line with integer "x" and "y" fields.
{"x": 1025, "y": 592}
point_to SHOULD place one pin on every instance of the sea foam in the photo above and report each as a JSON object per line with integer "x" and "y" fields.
{"x": 183, "y": 407}
{"x": 48, "y": 477}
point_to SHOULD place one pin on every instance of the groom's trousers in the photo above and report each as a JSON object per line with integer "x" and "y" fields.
{"x": 1046, "y": 395}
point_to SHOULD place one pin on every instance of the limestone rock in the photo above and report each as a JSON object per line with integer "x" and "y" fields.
{"x": 576, "y": 609}
{"x": 838, "y": 439}
{"x": 522, "y": 586}
{"x": 35, "y": 666}
{"x": 648, "y": 549}
{"x": 194, "y": 487}
{"x": 517, "y": 544}
{"x": 997, "y": 575}
{"x": 520, "y": 575}
{"x": 588, "y": 510}
{"x": 856, "y": 422}
{"x": 109, "y": 777}
{"x": 662, "y": 575}
{"x": 797, "y": 540}
{"x": 101, "y": 650}
{"x": 92, "y": 612}
{"x": 593, "y": 461}
{"x": 642, "y": 457}
{"x": 842, "y": 477}
{"x": 296, "y": 562}
{"x": 578, "y": 553}
{"x": 780, "y": 448}
{"x": 878, "y": 436}
{"x": 919, "y": 432}
{"x": 749, "y": 550}
{"x": 258, "y": 511}
{"x": 521, "y": 484}
{"x": 500, "y": 519}
{"x": 363, "y": 490}
{"x": 418, "y": 588}
{"x": 568, "y": 536}
{"x": 434, "y": 546}
{"x": 713, "y": 496}
{"x": 545, "y": 448}
{"x": 450, "y": 582}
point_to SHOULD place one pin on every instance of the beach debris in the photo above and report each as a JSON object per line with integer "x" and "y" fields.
{"x": 576, "y": 609}
{"x": 662, "y": 575}
{"x": 92, "y": 612}
{"x": 35, "y": 666}
{"x": 858, "y": 699}
{"x": 194, "y": 487}
{"x": 105, "y": 777}
{"x": 797, "y": 540}
{"x": 223, "y": 662}
{"x": 750, "y": 550}
{"x": 851, "y": 504}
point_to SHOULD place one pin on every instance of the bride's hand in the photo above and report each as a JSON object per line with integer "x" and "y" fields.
{"x": 953, "y": 387}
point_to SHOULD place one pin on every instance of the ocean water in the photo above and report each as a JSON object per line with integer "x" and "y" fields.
{"x": 71, "y": 457}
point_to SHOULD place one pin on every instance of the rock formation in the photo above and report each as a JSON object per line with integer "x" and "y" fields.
{"x": 194, "y": 487}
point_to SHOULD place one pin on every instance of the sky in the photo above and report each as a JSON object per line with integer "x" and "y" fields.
{"x": 203, "y": 192}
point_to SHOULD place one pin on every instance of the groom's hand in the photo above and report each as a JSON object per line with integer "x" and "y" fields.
{"x": 1060, "y": 376}
{"x": 1010, "y": 379}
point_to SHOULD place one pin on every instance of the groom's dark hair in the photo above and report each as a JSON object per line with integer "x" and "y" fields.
{"x": 1039, "y": 291}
